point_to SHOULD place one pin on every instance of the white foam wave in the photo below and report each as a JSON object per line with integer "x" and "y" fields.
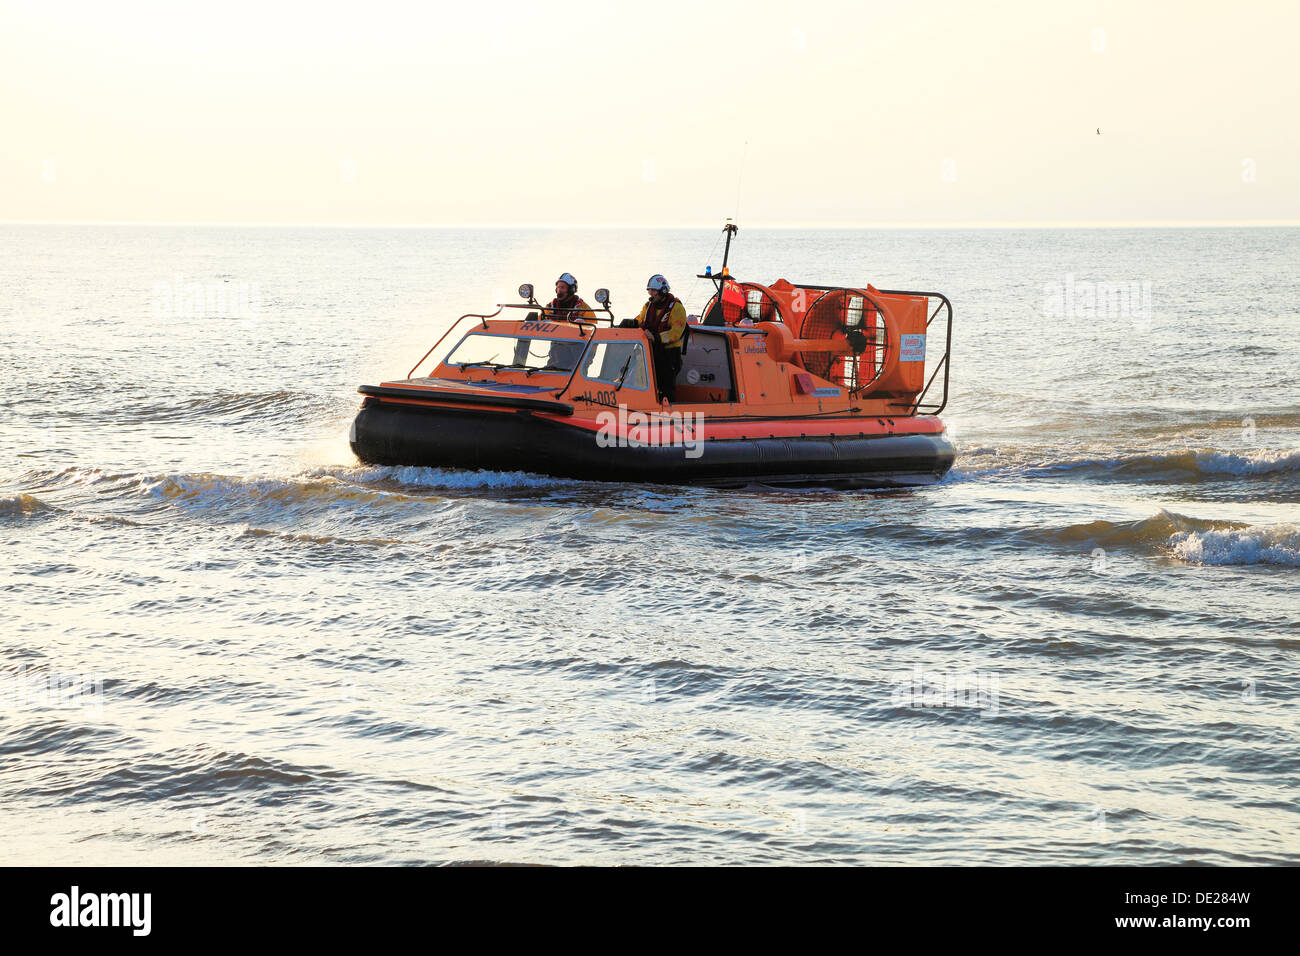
{"x": 1273, "y": 544}
{"x": 1256, "y": 463}
{"x": 435, "y": 477}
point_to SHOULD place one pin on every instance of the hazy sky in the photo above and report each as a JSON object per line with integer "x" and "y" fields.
{"x": 656, "y": 114}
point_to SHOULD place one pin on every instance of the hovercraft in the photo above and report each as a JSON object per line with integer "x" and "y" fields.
{"x": 781, "y": 384}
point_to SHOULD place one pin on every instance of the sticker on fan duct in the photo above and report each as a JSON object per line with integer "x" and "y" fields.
{"x": 911, "y": 348}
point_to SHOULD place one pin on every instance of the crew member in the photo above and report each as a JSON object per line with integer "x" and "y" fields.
{"x": 664, "y": 317}
{"x": 567, "y": 306}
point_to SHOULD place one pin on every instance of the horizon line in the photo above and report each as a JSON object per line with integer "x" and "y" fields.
{"x": 773, "y": 225}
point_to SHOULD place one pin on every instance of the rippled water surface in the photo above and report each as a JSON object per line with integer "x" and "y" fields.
{"x": 225, "y": 641}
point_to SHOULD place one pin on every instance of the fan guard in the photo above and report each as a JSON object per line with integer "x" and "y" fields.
{"x": 852, "y": 315}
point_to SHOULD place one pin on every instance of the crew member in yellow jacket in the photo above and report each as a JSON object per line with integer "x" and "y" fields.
{"x": 566, "y": 306}
{"x": 664, "y": 317}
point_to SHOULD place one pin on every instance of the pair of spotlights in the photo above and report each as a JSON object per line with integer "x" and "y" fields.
{"x": 526, "y": 293}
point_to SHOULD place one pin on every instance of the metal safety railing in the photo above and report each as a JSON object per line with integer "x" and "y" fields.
{"x": 919, "y": 407}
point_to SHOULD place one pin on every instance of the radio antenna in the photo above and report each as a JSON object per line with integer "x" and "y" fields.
{"x": 740, "y": 178}
{"x": 730, "y": 229}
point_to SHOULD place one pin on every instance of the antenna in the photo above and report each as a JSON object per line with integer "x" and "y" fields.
{"x": 730, "y": 229}
{"x": 740, "y": 178}
{"x": 719, "y": 279}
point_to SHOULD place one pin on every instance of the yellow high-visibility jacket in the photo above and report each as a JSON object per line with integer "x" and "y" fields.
{"x": 668, "y": 325}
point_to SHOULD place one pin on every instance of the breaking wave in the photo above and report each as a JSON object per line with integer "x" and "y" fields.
{"x": 1147, "y": 533}
{"x": 1274, "y": 544}
{"x": 1258, "y": 463}
{"x": 17, "y": 506}
{"x": 1194, "y": 540}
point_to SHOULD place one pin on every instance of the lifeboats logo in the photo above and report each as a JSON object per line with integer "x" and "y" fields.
{"x": 180, "y": 299}
{"x": 74, "y": 909}
{"x": 629, "y": 429}
{"x": 1091, "y": 300}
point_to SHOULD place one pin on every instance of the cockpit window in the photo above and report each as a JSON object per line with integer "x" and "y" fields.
{"x": 617, "y": 362}
{"x": 515, "y": 351}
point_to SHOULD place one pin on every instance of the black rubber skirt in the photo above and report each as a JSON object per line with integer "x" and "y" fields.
{"x": 390, "y": 434}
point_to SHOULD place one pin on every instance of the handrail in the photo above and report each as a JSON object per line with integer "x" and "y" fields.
{"x": 467, "y": 315}
{"x": 545, "y": 309}
{"x": 944, "y": 363}
{"x": 492, "y": 315}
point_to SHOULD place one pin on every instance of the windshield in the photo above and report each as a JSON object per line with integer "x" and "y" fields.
{"x": 619, "y": 362}
{"x": 514, "y": 351}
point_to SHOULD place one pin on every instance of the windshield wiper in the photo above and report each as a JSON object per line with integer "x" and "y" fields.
{"x": 549, "y": 368}
{"x": 623, "y": 374}
{"x": 494, "y": 366}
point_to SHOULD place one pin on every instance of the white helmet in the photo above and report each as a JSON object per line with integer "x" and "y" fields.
{"x": 568, "y": 279}
{"x": 657, "y": 284}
